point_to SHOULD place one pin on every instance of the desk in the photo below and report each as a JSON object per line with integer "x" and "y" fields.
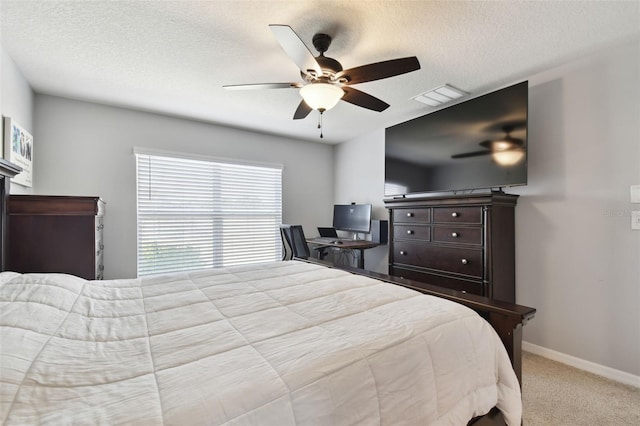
{"x": 360, "y": 245}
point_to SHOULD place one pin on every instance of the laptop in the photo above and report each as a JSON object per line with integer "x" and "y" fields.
{"x": 326, "y": 232}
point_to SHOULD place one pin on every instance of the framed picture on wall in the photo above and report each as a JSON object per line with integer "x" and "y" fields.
{"x": 18, "y": 149}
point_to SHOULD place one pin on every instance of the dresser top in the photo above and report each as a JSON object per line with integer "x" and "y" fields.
{"x": 495, "y": 198}
{"x": 55, "y": 205}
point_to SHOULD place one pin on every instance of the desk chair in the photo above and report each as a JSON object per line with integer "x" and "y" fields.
{"x": 293, "y": 242}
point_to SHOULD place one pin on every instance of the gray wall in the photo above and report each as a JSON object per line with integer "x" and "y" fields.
{"x": 87, "y": 149}
{"x": 16, "y": 101}
{"x": 577, "y": 256}
{"x": 577, "y": 259}
{"x": 359, "y": 178}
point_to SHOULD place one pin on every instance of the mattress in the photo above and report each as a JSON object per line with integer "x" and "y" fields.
{"x": 282, "y": 343}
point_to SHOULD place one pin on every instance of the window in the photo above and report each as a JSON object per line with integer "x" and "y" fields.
{"x": 202, "y": 213}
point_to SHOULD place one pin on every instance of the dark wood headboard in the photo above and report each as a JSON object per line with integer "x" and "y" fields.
{"x": 7, "y": 171}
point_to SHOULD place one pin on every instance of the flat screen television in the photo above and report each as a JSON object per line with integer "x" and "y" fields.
{"x": 352, "y": 217}
{"x": 480, "y": 143}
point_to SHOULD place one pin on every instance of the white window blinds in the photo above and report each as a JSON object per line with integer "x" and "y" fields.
{"x": 195, "y": 214}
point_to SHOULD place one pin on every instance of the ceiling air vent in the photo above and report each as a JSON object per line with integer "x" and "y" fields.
{"x": 440, "y": 95}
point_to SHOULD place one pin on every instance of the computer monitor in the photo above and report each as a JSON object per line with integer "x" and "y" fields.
{"x": 352, "y": 217}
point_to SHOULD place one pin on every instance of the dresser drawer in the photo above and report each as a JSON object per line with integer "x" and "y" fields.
{"x": 457, "y": 215}
{"x": 467, "y": 286}
{"x": 465, "y": 261}
{"x": 460, "y": 235}
{"x": 412, "y": 232}
{"x": 416, "y": 215}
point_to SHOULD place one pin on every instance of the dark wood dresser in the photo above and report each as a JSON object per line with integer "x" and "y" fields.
{"x": 7, "y": 171}
{"x": 465, "y": 243}
{"x": 55, "y": 234}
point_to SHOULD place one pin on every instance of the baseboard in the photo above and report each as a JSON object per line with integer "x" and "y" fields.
{"x": 591, "y": 367}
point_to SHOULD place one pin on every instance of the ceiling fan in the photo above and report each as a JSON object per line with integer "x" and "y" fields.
{"x": 506, "y": 151}
{"x": 325, "y": 81}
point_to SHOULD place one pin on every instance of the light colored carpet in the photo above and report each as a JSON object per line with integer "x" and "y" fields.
{"x": 555, "y": 394}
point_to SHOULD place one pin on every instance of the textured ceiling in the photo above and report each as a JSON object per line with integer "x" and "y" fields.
{"x": 174, "y": 57}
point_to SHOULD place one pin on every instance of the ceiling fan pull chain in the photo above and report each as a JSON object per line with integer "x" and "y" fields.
{"x": 320, "y": 124}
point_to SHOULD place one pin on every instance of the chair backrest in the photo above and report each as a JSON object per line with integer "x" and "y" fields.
{"x": 285, "y": 235}
{"x": 294, "y": 242}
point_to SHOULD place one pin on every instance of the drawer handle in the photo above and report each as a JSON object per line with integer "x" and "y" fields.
{"x": 403, "y": 253}
{"x": 464, "y": 261}
{"x": 454, "y": 234}
{"x": 454, "y": 214}
{"x": 409, "y": 214}
{"x": 410, "y": 231}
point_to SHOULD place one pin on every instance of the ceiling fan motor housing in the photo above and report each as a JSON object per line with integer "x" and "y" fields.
{"x": 330, "y": 67}
{"x": 321, "y": 42}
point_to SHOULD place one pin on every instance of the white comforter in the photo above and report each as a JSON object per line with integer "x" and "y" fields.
{"x": 284, "y": 343}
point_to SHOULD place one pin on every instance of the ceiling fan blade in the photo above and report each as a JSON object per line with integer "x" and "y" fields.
{"x": 302, "y": 111}
{"x": 364, "y": 100}
{"x": 379, "y": 70}
{"x": 296, "y": 49}
{"x": 263, "y": 86}
{"x": 471, "y": 154}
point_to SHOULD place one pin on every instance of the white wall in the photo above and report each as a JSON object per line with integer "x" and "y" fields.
{"x": 577, "y": 259}
{"x": 16, "y": 101}
{"x": 87, "y": 149}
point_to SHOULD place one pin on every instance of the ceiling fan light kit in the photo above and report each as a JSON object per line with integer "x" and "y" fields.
{"x": 321, "y": 96}
{"x": 326, "y": 82}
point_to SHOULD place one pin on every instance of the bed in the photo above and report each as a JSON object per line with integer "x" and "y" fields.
{"x": 278, "y": 343}
{"x": 281, "y": 343}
